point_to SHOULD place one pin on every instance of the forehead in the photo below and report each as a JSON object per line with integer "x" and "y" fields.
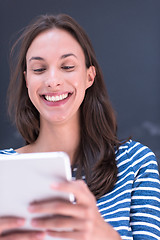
{"x": 54, "y": 41}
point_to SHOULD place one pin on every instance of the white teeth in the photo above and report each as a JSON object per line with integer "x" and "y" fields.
{"x": 56, "y": 98}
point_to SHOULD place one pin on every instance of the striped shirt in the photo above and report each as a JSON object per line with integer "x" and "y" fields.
{"x": 133, "y": 206}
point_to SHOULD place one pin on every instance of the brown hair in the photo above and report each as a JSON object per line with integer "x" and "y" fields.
{"x": 96, "y": 153}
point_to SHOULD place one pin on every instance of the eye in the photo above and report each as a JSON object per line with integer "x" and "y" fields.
{"x": 68, "y": 67}
{"x": 39, "y": 70}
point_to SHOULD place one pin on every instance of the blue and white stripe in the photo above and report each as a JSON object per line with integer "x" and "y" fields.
{"x": 8, "y": 151}
{"x": 133, "y": 206}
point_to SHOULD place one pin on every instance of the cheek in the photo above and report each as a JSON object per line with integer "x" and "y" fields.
{"x": 30, "y": 86}
{"x": 30, "y": 94}
{"x": 32, "y": 89}
{"x": 80, "y": 80}
{"x": 33, "y": 82}
{"x": 80, "y": 86}
{"x": 76, "y": 83}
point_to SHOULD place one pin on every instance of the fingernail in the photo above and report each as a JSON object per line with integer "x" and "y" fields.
{"x": 31, "y": 208}
{"x": 40, "y": 236}
{"x": 20, "y": 222}
{"x": 34, "y": 222}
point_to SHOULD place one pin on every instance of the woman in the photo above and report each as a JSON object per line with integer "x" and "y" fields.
{"x": 58, "y": 97}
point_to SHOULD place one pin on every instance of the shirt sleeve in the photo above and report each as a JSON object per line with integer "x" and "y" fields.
{"x": 145, "y": 196}
{"x": 7, "y": 151}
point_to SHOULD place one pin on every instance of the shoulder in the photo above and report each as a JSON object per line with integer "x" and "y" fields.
{"x": 7, "y": 151}
{"x": 132, "y": 148}
{"x": 135, "y": 155}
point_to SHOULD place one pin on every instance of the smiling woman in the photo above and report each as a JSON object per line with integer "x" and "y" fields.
{"x": 55, "y": 69}
{"x": 59, "y": 101}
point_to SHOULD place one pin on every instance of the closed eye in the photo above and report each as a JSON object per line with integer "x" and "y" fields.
{"x": 67, "y": 67}
{"x": 39, "y": 70}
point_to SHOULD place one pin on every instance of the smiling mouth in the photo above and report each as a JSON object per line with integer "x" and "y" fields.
{"x": 56, "y": 98}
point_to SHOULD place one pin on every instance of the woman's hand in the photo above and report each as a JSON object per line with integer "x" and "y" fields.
{"x": 81, "y": 220}
{"x": 7, "y": 224}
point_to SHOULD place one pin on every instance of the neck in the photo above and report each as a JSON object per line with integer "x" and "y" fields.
{"x": 63, "y": 137}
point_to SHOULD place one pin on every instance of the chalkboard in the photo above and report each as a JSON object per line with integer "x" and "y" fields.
{"x": 126, "y": 38}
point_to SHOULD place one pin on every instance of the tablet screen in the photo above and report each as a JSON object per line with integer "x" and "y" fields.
{"x": 25, "y": 178}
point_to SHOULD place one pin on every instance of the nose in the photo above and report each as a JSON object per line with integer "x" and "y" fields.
{"x": 53, "y": 78}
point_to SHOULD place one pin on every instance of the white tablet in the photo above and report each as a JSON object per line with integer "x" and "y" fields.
{"x": 27, "y": 177}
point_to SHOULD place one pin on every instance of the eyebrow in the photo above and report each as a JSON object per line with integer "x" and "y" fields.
{"x": 62, "y": 57}
{"x": 68, "y": 55}
{"x": 36, "y": 58}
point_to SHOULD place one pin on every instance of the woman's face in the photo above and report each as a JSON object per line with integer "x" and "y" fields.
{"x": 56, "y": 75}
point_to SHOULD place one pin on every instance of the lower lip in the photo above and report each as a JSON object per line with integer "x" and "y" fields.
{"x": 57, "y": 103}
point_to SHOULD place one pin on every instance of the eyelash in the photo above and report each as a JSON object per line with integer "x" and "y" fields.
{"x": 40, "y": 70}
{"x": 67, "y": 67}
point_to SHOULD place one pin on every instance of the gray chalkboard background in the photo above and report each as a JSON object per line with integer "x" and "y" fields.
{"x": 126, "y": 38}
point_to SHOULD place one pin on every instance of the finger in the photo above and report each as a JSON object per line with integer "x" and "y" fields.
{"x": 10, "y": 223}
{"x": 78, "y": 188}
{"x": 59, "y": 222}
{"x": 24, "y": 236}
{"x": 77, "y": 235}
{"x": 59, "y": 208}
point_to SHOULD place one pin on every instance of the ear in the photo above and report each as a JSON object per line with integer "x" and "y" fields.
{"x": 25, "y": 77}
{"x": 91, "y": 73}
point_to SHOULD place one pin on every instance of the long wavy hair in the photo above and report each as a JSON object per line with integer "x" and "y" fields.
{"x": 95, "y": 156}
